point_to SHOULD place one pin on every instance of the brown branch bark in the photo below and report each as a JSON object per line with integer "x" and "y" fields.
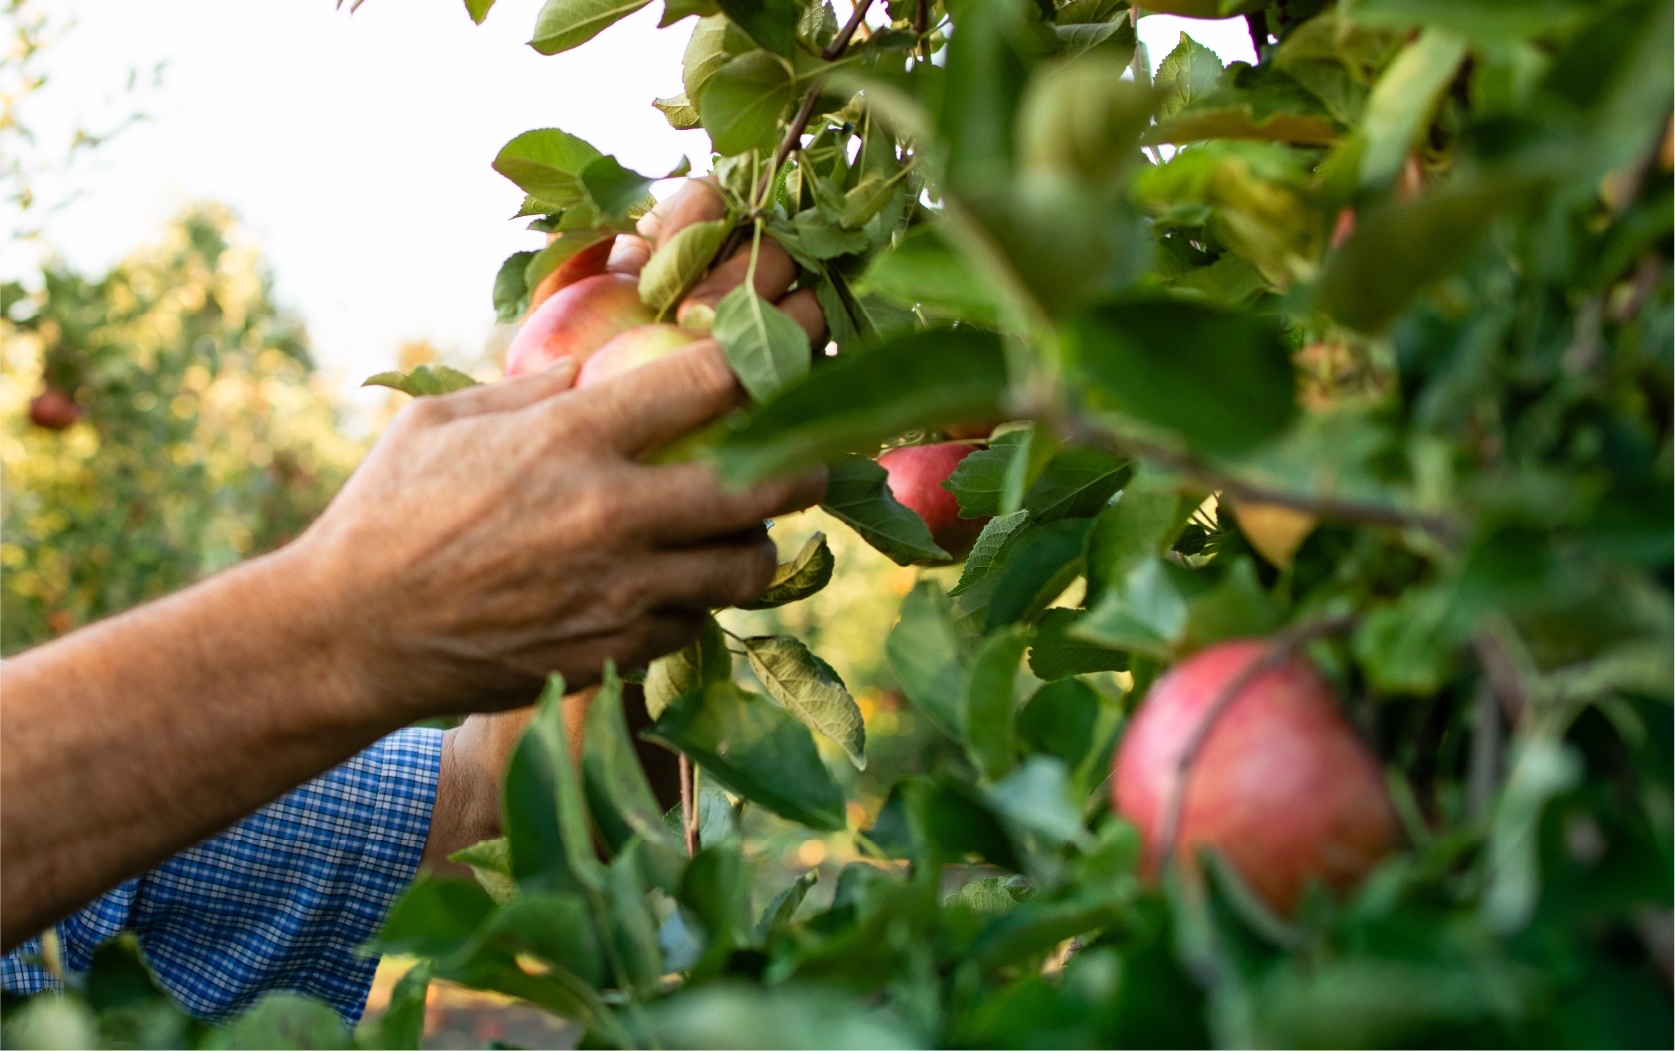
{"x": 1280, "y": 650}
{"x": 689, "y": 805}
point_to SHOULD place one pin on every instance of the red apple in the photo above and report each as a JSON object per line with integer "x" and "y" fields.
{"x": 576, "y": 321}
{"x": 53, "y": 409}
{"x": 1281, "y": 786}
{"x": 638, "y": 346}
{"x": 589, "y": 262}
{"x": 916, "y": 476}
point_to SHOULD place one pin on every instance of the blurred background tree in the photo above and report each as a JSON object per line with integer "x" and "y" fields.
{"x": 205, "y": 434}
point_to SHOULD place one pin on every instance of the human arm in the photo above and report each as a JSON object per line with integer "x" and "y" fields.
{"x": 492, "y": 536}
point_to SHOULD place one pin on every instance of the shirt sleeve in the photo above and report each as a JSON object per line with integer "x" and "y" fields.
{"x": 282, "y": 900}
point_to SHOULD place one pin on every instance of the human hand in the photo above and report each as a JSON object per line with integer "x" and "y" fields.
{"x": 504, "y": 532}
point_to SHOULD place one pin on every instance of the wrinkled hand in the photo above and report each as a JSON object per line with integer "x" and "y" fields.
{"x": 503, "y": 532}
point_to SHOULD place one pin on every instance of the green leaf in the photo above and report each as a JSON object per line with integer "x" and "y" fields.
{"x": 1038, "y": 798}
{"x": 287, "y": 1020}
{"x": 927, "y": 656}
{"x": 559, "y": 929}
{"x": 755, "y": 749}
{"x": 786, "y": 1016}
{"x": 777, "y": 916}
{"x": 618, "y": 794}
{"x": 699, "y": 663}
{"x": 1542, "y": 769}
{"x": 617, "y": 190}
{"x": 818, "y": 237}
{"x": 434, "y": 918}
{"x": 718, "y": 819}
{"x": 1061, "y": 718}
{"x": 1221, "y": 380}
{"x": 1146, "y": 612}
{"x": 1185, "y": 75}
{"x": 799, "y": 578}
{"x": 1400, "y": 248}
{"x": 632, "y": 925}
{"x": 715, "y": 41}
{"x": 674, "y": 268}
{"x": 988, "y": 700}
{"x": 715, "y": 899}
{"x": 491, "y": 865}
{"x": 1056, "y": 654}
{"x": 1402, "y": 101}
{"x": 987, "y": 64}
{"x": 402, "y": 1022}
{"x": 1142, "y": 523}
{"x": 743, "y": 100}
{"x": 921, "y": 270}
{"x": 809, "y": 689}
{"x": 564, "y": 24}
{"x": 681, "y": 114}
{"x": 858, "y": 494}
{"x": 766, "y": 349}
{"x": 771, "y": 23}
{"x": 547, "y": 164}
{"x": 913, "y": 380}
{"x": 1039, "y": 565}
{"x": 1076, "y": 483}
{"x": 478, "y": 9}
{"x": 511, "y": 291}
{"x": 675, "y": 10}
{"x": 423, "y": 380}
{"x": 545, "y": 815}
{"x": 989, "y": 550}
{"x": 979, "y": 480}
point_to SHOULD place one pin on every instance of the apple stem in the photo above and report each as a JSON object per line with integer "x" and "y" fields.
{"x": 1282, "y": 648}
{"x": 689, "y": 804}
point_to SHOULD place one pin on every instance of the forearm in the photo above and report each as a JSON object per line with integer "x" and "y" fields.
{"x": 131, "y": 740}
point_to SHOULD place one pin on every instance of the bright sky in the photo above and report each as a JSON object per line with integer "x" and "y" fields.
{"x": 357, "y": 147}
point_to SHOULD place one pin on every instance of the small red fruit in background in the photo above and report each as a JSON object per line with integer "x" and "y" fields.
{"x": 1281, "y": 785}
{"x": 577, "y": 321}
{"x": 916, "y": 476}
{"x": 53, "y": 409}
{"x": 638, "y": 346}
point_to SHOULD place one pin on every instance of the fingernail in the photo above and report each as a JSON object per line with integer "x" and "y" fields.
{"x": 564, "y": 364}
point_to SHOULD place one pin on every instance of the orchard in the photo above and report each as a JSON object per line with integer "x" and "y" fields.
{"x": 1285, "y": 448}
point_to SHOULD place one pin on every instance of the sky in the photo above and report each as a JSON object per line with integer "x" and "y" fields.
{"x": 355, "y": 147}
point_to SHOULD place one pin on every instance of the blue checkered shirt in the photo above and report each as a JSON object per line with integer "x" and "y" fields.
{"x": 282, "y": 900}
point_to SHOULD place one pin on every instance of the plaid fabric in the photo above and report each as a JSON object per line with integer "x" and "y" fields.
{"x": 281, "y": 900}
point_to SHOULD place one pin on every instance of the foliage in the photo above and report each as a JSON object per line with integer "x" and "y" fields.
{"x": 207, "y": 437}
{"x": 1374, "y": 333}
{"x": 1392, "y": 305}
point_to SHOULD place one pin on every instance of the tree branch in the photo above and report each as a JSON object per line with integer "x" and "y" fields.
{"x": 1279, "y": 651}
{"x": 1442, "y": 528}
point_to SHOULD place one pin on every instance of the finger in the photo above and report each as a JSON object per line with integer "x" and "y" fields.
{"x": 685, "y": 503}
{"x": 774, "y": 271}
{"x": 508, "y": 395}
{"x": 659, "y": 401}
{"x": 628, "y": 255}
{"x": 715, "y": 575}
{"x": 804, "y": 308}
{"x": 696, "y": 202}
{"x": 651, "y": 635}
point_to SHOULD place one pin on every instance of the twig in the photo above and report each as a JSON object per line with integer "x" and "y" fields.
{"x": 1484, "y": 770}
{"x": 689, "y": 805}
{"x": 1502, "y": 673}
{"x": 921, "y": 26}
{"x": 799, "y": 124}
{"x": 1324, "y": 506}
{"x": 1280, "y": 650}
